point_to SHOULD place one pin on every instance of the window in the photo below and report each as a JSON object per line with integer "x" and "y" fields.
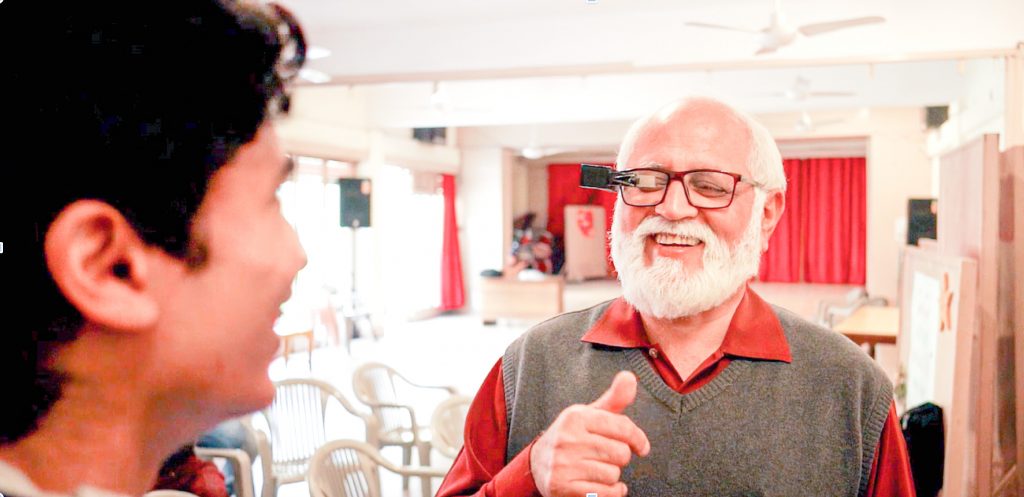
{"x": 397, "y": 259}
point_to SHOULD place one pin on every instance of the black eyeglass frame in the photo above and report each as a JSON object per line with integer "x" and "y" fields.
{"x": 627, "y": 178}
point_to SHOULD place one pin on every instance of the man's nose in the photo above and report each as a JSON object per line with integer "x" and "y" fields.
{"x": 675, "y": 206}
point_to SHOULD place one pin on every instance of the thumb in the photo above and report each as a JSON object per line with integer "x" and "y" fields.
{"x": 619, "y": 395}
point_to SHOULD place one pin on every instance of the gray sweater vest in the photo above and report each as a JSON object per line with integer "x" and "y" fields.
{"x": 759, "y": 428}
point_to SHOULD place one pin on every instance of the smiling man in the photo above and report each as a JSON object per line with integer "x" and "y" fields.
{"x": 719, "y": 392}
{"x": 148, "y": 255}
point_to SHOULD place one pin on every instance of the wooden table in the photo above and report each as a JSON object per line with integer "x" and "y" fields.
{"x": 292, "y": 328}
{"x": 289, "y": 344}
{"x": 871, "y": 325}
{"x": 522, "y": 299}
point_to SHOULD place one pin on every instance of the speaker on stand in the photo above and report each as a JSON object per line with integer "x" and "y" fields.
{"x": 355, "y": 215}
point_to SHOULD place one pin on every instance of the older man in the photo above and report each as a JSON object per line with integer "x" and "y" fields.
{"x": 147, "y": 255}
{"x": 719, "y": 392}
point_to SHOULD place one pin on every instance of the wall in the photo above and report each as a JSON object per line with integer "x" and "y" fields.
{"x": 331, "y": 122}
{"x": 485, "y": 214}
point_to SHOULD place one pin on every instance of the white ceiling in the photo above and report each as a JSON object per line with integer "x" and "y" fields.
{"x": 527, "y": 61}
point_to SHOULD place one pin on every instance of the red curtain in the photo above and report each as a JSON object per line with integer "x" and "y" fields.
{"x": 564, "y": 189}
{"x": 821, "y": 236}
{"x": 453, "y": 294}
{"x": 781, "y": 262}
{"x": 836, "y": 220}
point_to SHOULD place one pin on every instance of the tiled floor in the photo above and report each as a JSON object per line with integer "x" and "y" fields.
{"x": 459, "y": 350}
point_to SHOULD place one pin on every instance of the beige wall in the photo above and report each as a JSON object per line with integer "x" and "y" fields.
{"x": 331, "y": 122}
{"x": 485, "y": 191}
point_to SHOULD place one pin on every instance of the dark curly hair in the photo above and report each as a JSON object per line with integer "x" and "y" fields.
{"x": 135, "y": 104}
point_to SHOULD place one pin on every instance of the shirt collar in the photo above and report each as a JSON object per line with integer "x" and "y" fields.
{"x": 753, "y": 333}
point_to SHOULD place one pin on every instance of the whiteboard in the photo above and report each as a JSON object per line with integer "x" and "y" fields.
{"x": 937, "y": 349}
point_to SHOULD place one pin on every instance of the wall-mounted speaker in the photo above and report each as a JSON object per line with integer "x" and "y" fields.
{"x": 355, "y": 202}
{"x": 935, "y": 116}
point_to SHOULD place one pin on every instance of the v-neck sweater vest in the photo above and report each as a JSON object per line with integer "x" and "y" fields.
{"x": 759, "y": 428}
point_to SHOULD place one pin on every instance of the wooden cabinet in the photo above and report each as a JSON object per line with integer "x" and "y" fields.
{"x": 512, "y": 298}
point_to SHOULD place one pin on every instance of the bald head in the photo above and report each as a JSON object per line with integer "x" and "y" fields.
{"x": 708, "y": 124}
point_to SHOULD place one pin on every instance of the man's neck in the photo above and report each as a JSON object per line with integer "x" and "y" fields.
{"x": 107, "y": 430}
{"x": 689, "y": 340}
{"x": 65, "y": 453}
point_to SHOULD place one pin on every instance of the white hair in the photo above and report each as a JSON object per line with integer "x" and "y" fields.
{"x": 764, "y": 160}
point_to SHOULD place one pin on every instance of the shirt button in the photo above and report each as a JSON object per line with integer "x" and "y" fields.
{"x": 653, "y": 352}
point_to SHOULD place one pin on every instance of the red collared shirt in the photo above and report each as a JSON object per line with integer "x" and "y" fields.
{"x": 754, "y": 333}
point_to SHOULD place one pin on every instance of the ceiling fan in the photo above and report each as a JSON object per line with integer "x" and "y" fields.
{"x": 440, "y": 101}
{"x": 807, "y": 125}
{"x": 779, "y": 33}
{"x": 800, "y": 90}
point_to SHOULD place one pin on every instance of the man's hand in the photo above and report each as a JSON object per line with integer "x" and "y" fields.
{"x": 587, "y": 446}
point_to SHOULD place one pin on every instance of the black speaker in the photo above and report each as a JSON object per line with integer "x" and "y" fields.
{"x": 355, "y": 202}
{"x": 935, "y": 116}
{"x": 921, "y": 217}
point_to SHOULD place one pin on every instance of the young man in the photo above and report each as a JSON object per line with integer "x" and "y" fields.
{"x": 146, "y": 257}
{"x": 717, "y": 391}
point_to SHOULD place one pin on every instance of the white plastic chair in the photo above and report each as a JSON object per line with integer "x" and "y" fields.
{"x": 347, "y": 468}
{"x": 396, "y": 422}
{"x": 241, "y": 466}
{"x": 830, "y": 313}
{"x": 447, "y": 425}
{"x": 297, "y": 422}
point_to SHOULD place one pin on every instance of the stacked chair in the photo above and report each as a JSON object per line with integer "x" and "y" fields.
{"x": 296, "y": 444}
{"x": 447, "y": 425}
{"x": 297, "y": 422}
{"x": 831, "y": 313}
{"x": 380, "y": 387}
{"x": 348, "y": 468}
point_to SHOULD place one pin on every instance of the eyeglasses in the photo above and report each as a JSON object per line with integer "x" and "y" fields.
{"x": 704, "y": 188}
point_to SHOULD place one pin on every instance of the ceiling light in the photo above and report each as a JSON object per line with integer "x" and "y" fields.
{"x": 317, "y": 52}
{"x": 314, "y": 76}
{"x": 532, "y": 153}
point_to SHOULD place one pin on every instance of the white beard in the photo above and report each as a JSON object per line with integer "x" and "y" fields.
{"x": 665, "y": 289}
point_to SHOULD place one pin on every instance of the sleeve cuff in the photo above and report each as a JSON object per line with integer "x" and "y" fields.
{"x": 516, "y": 479}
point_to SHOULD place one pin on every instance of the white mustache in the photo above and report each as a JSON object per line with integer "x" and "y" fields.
{"x": 691, "y": 228}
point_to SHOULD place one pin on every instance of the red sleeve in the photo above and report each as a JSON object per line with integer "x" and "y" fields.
{"x": 209, "y": 481}
{"x": 480, "y": 470}
{"x": 890, "y": 472}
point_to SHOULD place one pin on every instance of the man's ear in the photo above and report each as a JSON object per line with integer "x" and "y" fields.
{"x": 774, "y": 205}
{"x": 100, "y": 265}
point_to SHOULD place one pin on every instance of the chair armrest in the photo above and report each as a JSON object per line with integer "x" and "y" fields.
{"x": 450, "y": 389}
{"x": 342, "y": 399}
{"x": 266, "y": 455}
{"x": 240, "y": 462}
{"x": 374, "y": 455}
{"x": 406, "y": 408}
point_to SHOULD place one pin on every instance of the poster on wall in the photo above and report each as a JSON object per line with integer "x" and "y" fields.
{"x": 585, "y": 234}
